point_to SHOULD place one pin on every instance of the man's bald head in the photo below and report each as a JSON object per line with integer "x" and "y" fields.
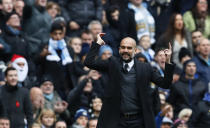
{"x": 127, "y": 49}
{"x": 36, "y": 97}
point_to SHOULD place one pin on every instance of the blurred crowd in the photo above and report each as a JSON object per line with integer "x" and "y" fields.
{"x": 43, "y": 44}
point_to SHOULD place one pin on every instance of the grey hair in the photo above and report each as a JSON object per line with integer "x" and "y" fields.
{"x": 92, "y": 23}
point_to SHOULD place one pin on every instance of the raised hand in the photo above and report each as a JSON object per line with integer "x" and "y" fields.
{"x": 168, "y": 53}
{"x": 99, "y": 39}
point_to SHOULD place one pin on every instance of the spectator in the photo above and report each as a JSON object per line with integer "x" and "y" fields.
{"x": 53, "y": 9}
{"x": 162, "y": 97}
{"x": 87, "y": 37}
{"x": 96, "y": 106}
{"x": 82, "y": 12}
{"x": 92, "y": 122}
{"x": 4, "y": 122}
{"x": 76, "y": 44}
{"x": 196, "y": 38}
{"x": 14, "y": 37}
{"x": 188, "y": 90}
{"x": 185, "y": 114}
{"x": 53, "y": 100}
{"x": 198, "y": 18}
{"x": 18, "y": 6}
{"x": 95, "y": 27}
{"x": 36, "y": 15}
{"x": 7, "y": 7}
{"x": 47, "y": 118}
{"x": 105, "y": 52}
{"x": 167, "y": 123}
{"x": 145, "y": 23}
{"x": 81, "y": 119}
{"x": 145, "y": 44}
{"x": 16, "y": 100}
{"x": 37, "y": 100}
{"x": 202, "y": 60}
{"x": 177, "y": 36}
{"x": 60, "y": 124}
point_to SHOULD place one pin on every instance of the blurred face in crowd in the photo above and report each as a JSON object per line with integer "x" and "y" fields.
{"x": 202, "y": 6}
{"x": 106, "y": 54}
{"x": 53, "y": 11}
{"x": 14, "y": 21}
{"x": 170, "y": 113}
{"x": 160, "y": 58}
{"x": 37, "y": 98}
{"x": 47, "y": 87}
{"x": 127, "y": 49}
{"x": 97, "y": 104}
{"x": 48, "y": 120}
{"x": 115, "y": 15}
{"x": 144, "y": 42}
{"x": 88, "y": 87}
{"x": 136, "y": 2}
{"x": 186, "y": 118}
{"x": 93, "y": 123}
{"x": 190, "y": 69}
{"x": 60, "y": 124}
{"x": 41, "y": 3}
{"x": 87, "y": 38}
{"x": 12, "y": 77}
{"x": 76, "y": 44}
{"x": 196, "y": 36}
{"x": 204, "y": 48}
{"x": 57, "y": 35}
{"x": 4, "y": 123}
{"x": 82, "y": 120}
{"x": 178, "y": 24}
{"x": 162, "y": 98}
{"x": 19, "y": 5}
{"x": 7, "y": 6}
{"x": 95, "y": 29}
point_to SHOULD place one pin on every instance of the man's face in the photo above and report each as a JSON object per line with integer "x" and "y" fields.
{"x": 88, "y": 87}
{"x": 93, "y": 123}
{"x": 87, "y": 38}
{"x": 60, "y": 124}
{"x": 7, "y": 6}
{"x": 95, "y": 30}
{"x": 42, "y": 3}
{"x": 196, "y": 36}
{"x": 106, "y": 54}
{"x": 127, "y": 49}
{"x": 82, "y": 121}
{"x": 4, "y": 123}
{"x": 57, "y": 35}
{"x": 97, "y": 104}
{"x": 190, "y": 69}
{"x": 160, "y": 58}
{"x": 12, "y": 77}
{"x": 136, "y": 2}
{"x": 204, "y": 47}
{"x": 115, "y": 15}
{"x": 19, "y": 5}
{"x": 14, "y": 21}
{"x": 47, "y": 87}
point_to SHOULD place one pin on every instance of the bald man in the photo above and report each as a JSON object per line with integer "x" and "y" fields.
{"x": 127, "y": 103}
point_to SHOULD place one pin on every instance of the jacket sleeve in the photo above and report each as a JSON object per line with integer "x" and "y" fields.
{"x": 164, "y": 82}
{"x": 92, "y": 62}
{"x": 28, "y": 109}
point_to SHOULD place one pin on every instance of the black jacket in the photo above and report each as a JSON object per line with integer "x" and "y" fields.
{"x": 180, "y": 96}
{"x": 201, "y": 117}
{"x": 18, "y": 105}
{"x": 110, "y": 113}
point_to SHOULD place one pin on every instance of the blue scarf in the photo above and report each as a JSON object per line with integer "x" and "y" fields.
{"x": 49, "y": 96}
{"x": 14, "y": 31}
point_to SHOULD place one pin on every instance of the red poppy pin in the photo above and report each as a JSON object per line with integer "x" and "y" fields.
{"x": 17, "y": 104}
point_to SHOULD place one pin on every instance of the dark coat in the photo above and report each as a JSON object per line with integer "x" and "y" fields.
{"x": 201, "y": 117}
{"x": 180, "y": 95}
{"x": 110, "y": 113}
{"x": 18, "y": 105}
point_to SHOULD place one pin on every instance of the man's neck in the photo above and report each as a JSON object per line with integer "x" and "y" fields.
{"x": 189, "y": 77}
{"x": 204, "y": 57}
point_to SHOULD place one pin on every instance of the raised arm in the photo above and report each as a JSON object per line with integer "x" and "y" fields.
{"x": 91, "y": 61}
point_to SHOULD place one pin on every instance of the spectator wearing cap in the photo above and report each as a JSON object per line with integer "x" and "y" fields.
{"x": 81, "y": 118}
{"x": 16, "y": 100}
{"x": 141, "y": 57}
{"x": 188, "y": 90}
{"x": 184, "y": 55}
{"x": 202, "y": 60}
{"x": 166, "y": 123}
{"x": 53, "y": 100}
{"x": 105, "y": 52}
{"x": 14, "y": 37}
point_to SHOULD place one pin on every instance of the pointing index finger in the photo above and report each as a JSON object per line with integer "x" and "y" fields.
{"x": 169, "y": 44}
